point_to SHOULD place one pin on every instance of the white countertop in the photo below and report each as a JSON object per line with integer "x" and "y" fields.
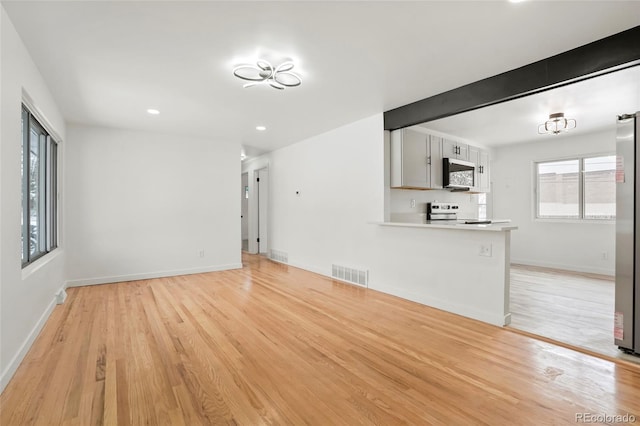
{"x": 460, "y": 225}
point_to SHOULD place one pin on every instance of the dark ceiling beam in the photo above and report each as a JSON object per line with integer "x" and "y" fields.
{"x": 615, "y": 52}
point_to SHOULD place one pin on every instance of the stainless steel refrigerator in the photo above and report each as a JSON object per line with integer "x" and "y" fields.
{"x": 627, "y": 310}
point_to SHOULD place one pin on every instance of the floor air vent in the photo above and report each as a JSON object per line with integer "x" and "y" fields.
{"x": 350, "y": 275}
{"x": 279, "y": 256}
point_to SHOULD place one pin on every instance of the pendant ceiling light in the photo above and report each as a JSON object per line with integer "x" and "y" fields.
{"x": 264, "y": 73}
{"x": 556, "y": 124}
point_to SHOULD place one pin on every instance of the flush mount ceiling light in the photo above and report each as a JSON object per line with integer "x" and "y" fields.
{"x": 556, "y": 124}
{"x": 264, "y": 73}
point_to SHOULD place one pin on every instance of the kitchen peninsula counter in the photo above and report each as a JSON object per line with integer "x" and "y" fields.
{"x": 460, "y": 226}
{"x": 449, "y": 265}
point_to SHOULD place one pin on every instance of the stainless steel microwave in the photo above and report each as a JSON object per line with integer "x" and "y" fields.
{"x": 458, "y": 175}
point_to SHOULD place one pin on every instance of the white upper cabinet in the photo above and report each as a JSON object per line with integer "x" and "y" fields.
{"x": 453, "y": 149}
{"x": 480, "y": 158}
{"x": 435, "y": 161}
{"x": 416, "y": 160}
{"x": 409, "y": 159}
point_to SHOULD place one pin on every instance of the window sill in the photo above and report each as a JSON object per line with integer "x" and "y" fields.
{"x": 41, "y": 263}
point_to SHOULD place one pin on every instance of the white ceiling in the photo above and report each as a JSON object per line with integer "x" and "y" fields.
{"x": 107, "y": 62}
{"x": 593, "y": 103}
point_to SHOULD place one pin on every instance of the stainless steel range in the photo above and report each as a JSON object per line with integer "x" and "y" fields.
{"x": 442, "y": 211}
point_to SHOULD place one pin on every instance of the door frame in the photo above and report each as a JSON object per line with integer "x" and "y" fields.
{"x": 261, "y": 195}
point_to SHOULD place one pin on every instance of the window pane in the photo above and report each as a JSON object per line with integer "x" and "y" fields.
{"x": 42, "y": 194}
{"x": 34, "y": 192}
{"x": 39, "y": 190}
{"x": 600, "y": 187}
{"x": 558, "y": 189}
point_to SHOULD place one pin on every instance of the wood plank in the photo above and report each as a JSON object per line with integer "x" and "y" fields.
{"x": 570, "y": 307}
{"x": 272, "y": 344}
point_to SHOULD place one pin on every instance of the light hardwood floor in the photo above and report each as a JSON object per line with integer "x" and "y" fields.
{"x": 271, "y": 344}
{"x": 569, "y": 307}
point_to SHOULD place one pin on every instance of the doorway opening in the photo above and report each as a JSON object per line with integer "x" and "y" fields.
{"x": 560, "y": 191}
{"x": 244, "y": 211}
{"x": 262, "y": 198}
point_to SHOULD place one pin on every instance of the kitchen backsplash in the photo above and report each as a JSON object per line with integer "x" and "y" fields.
{"x": 472, "y": 206}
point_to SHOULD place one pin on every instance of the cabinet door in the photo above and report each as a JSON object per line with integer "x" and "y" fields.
{"x": 452, "y": 149}
{"x": 485, "y": 180}
{"x": 481, "y": 159}
{"x": 449, "y": 149}
{"x": 463, "y": 152}
{"x": 435, "y": 161}
{"x": 474, "y": 157}
{"x": 414, "y": 159}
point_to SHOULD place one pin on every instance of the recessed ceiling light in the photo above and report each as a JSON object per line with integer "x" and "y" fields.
{"x": 153, "y": 111}
{"x": 516, "y": 1}
{"x": 261, "y": 128}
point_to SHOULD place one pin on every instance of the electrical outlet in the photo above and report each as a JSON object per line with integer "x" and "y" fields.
{"x": 412, "y": 203}
{"x": 201, "y": 253}
{"x": 485, "y": 250}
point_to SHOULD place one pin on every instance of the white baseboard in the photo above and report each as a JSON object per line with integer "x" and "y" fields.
{"x": 310, "y": 268}
{"x": 150, "y": 275}
{"x": 60, "y": 296}
{"x": 497, "y": 319}
{"x": 8, "y": 372}
{"x": 575, "y": 268}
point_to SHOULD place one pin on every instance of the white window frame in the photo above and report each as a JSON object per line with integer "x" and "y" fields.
{"x": 581, "y": 200}
{"x": 49, "y": 184}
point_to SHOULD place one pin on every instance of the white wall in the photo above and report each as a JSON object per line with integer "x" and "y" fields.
{"x": 26, "y": 296}
{"x": 142, "y": 205}
{"x": 340, "y": 177}
{"x": 576, "y": 246}
{"x": 340, "y": 181}
{"x": 401, "y": 201}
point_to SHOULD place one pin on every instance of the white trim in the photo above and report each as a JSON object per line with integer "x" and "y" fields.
{"x": 40, "y": 116}
{"x": 566, "y": 267}
{"x": 309, "y": 268}
{"x": 454, "y": 308}
{"x": 536, "y": 196}
{"x": 493, "y": 318}
{"x": 150, "y": 275}
{"x": 8, "y": 372}
{"x": 38, "y": 264}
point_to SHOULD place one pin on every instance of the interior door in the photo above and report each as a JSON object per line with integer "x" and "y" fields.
{"x": 244, "y": 207}
{"x": 263, "y": 206}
